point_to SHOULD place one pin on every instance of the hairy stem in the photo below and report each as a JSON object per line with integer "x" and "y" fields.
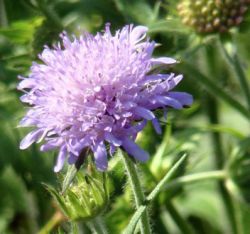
{"x": 174, "y": 184}
{"x": 56, "y": 219}
{"x": 139, "y": 197}
{"x": 3, "y": 15}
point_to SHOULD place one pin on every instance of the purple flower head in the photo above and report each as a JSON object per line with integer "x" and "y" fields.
{"x": 94, "y": 90}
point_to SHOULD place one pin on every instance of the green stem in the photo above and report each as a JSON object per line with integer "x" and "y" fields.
{"x": 97, "y": 226}
{"x": 3, "y": 15}
{"x": 235, "y": 65}
{"x": 212, "y": 108}
{"x": 137, "y": 191}
{"x": 181, "y": 222}
{"x": 174, "y": 184}
{"x": 212, "y": 87}
{"x": 56, "y": 219}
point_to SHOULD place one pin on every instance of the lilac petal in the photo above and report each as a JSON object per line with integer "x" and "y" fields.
{"x": 25, "y": 98}
{"x": 51, "y": 145}
{"x": 60, "y": 159}
{"x": 109, "y": 137}
{"x": 133, "y": 131}
{"x": 138, "y": 33}
{"x": 79, "y": 146}
{"x": 100, "y": 155}
{"x": 174, "y": 81}
{"x": 128, "y": 105}
{"x": 144, "y": 113}
{"x": 72, "y": 158}
{"x": 139, "y": 127}
{"x": 31, "y": 138}
{"x": 157, "y": 126}
{"x": 184, "y": 98}
{"x": 157, "y": 77}
{"x": 26, "y": 84}
{"x": 134, "y": 150}
{"x": 163, "y": 61}
{"x": 150, "y": 49}
{"x": 107, "y": 29}
{"x": 165, "y": 113}
{"x": 26, "y": 122}
{"x": 168, "y": 101}
{"x": 47, "y": 147}
{"x": 42, "y": 136}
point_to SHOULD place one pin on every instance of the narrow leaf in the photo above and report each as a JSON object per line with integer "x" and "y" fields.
{"x": 166, "y": 178}
{"x": 134, "y": 220}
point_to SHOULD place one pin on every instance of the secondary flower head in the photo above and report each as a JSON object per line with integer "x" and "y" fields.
{"x": 210, "y": 16}
{"x": 97, "y": 90}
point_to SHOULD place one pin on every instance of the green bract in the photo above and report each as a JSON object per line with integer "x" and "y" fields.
{"x": 84, "y": 199}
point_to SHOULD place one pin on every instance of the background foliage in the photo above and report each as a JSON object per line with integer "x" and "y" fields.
{"x": 213, "y": 126}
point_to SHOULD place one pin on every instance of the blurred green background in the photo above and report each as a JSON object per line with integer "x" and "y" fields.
{"x": 25, "y": 206}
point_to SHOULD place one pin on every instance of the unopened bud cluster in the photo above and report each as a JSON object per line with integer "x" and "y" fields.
{"x": 210, "y": 16}
{"x": 85, "y": 199}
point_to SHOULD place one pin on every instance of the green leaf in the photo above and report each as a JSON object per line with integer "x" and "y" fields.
{"x": 134, "y": 220}
{"x": 166, "y": 178}
{"x": 168, "y": 25}
{"x": 21, "y": 31}
{"x": 136, "y": 11}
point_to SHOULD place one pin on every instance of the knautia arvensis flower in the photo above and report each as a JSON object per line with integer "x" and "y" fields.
{"x": 210, "y": 16}
{"x": 94, "y": 91}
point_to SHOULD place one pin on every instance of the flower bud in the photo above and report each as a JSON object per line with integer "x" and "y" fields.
{"x": 211, "y": 16}
{"x": 85, "y": 198}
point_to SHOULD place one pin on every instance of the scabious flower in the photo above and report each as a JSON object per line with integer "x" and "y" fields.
{"x": 94, "y": 91}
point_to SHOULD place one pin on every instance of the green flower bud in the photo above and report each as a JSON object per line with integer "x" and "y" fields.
{"x": 211, "y": 16}
{"x": 85, "y": 198}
